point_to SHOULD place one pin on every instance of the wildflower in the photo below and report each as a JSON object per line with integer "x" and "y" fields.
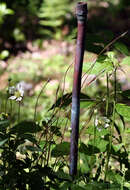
{"x": 96, "y": 122}
{"x": 102, "y": 122}
{"x": 11, "y": 90}
{"x": 17, "y": 93}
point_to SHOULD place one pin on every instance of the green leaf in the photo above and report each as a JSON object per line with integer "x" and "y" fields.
{"x": 4, "y": 124}
{"x": 99, "y": 143}
{"x": 117, "y": 147}
{"x": 29, "y": 137}
{"x": 77, "y": 187}
{"x": 87, "y": 104}
{"x": 86, "y": 162}
{"x": 127, "y": 130}
{"x": 123, "y": 110}
{"x": 103, "y": 64}
{"x": 66, "y": 100}
{"x": 65, "y": 185}
{"x": 26, "y": 127}
{"x": 92, "y": 130}
{"x": 115, "y": 177}
{"x": 4, "y": 54}
{"x": 55, "y": 130}
{"x": 122, "y": 48}
{"x": 3, "y": 141}
{"x": 63, "y": 101}
{"x": 61, "y": 149}
{"x": 126, "y": 61}
{"x": 33, "y": 149}
{"x": 102, "y": 186}
{"x": 88, "y": 149}
{"x": 60, "y": 174}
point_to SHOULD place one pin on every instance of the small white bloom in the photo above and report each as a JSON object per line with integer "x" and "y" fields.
{"x": 18, "y": 93}
{"x": 11, "y": 90}
{"x": 96, "y": 122}
{"x": 19, "y": 99}
{"x": 20, "y": 89}
{"x": 106, "y": 125}
{"x": 12, "y": 97}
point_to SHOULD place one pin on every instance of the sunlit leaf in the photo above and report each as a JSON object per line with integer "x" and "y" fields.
{"x": 103, "y": 64}
{"x": 122, "y": 48}
{"x": 115, "y": 177}
{"x": 86, "y": 162}
{"x": 127, "y": 130}
{"x": 87, "y": 104}
{"x": 91, "y": 130}
{"x": 126, "y": 61}
{"x": 117, "y": 147}
{"x": 99, "y": 143}
{"x": 123, "y": 110}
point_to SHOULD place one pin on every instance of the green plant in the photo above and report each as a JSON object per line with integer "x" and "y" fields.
{"x": 4, "y": 11}
{"x": 34, "y": 154}
{"x": 102, "y": 139}
{"x": 53, "y": 15}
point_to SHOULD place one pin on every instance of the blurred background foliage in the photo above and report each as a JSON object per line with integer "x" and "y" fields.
{"x": 37, "y": 39}
{"x": 21, "y": 21}
{"x": 37, "y": 49}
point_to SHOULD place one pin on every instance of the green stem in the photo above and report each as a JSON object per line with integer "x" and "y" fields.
{"x": 35, "y": 110}
{"x": 107, "y": 106}
{"x": 19, "y": 112}
{"x": 107, "y": 97}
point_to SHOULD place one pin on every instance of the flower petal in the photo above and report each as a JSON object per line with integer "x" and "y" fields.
{"x": 19, "y": 99}
{"x": 12, "y": 97}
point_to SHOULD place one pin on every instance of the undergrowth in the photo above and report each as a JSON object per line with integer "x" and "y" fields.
{"x": 34, "y": 154}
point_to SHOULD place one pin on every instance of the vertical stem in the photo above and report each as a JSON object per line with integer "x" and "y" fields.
{"x": 107, "y": 96}
{"x": 18, "y": 112}
{"x": 81, "y": 12}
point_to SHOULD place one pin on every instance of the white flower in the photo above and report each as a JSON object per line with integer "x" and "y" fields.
{"x": 17, "y": 93}
{"x": 96, "y": 122}
{"x": 106, "y": 125}
{"x": 11, "y": 90}
{"x": 20, "y": 89}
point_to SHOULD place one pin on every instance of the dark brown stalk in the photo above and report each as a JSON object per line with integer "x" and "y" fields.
{"x": 81, "y": 12}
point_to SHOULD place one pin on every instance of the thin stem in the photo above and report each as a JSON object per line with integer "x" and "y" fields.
{"x": 107, "y": 97}
{"x": 6, "y": 102}
{"x": 107, "y": 105}
{"x": 19, "y": 105}
{"x": 38, "y": 99}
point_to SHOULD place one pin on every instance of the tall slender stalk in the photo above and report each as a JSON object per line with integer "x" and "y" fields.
{"x": 81, "y": 12}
